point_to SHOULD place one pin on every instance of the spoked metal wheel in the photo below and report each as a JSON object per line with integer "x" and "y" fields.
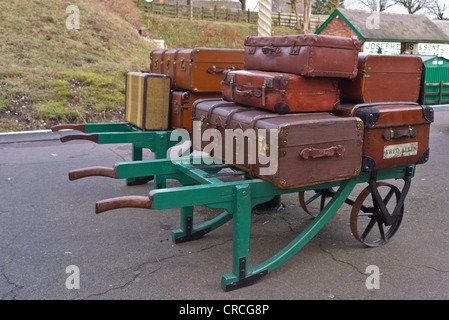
{"x": 374, "y": 220}
{"x": 314, "y": 201}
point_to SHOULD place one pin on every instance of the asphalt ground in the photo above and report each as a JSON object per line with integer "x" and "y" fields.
{"x": 48, "y": 225}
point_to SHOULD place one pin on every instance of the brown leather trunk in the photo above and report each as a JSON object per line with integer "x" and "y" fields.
{"x": 201, "y": 69}
{"x": 308, "y": 55}
{"x": 169, "y": 62}
{"x": 288, "y": 150}
{"x": 157, "y": 58}
{"x": 280, "y": 92}
{"x": 396, "y": 134}
{"x": 181, "y": 107}
{"x": 384, "y": 78}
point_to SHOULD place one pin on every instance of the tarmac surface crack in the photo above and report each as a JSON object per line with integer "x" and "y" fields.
{"x": 433, "y": 268}
{"x": 137, "y": 273}
{"x": 335, "y": 258}
{"x": 12, "y": 294}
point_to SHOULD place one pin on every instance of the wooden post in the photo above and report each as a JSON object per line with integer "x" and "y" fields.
{"x": 249, "y": 17}
{"x": 215, "y": 13}
{"x": 264, "y": 18}
{"x": 202, "y": 13}
{"x": 227, "y": 13}
{"x": 177, "y": 9}
{"x": 440, "y": 96}
{"x": 238, "y": 15}
{"x": 424, "y": 92}
{"x": 191, "y": 10}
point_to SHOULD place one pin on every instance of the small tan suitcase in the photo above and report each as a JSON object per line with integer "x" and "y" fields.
{"x": 147, "y": 100}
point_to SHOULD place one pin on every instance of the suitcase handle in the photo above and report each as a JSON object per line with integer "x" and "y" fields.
{"x": 215, "y": 69}
{"x": 320, "y": 153}
{"x": 271, "y": 50}
{"x": 257, "y": 93}
{"x": 391, "y": 134}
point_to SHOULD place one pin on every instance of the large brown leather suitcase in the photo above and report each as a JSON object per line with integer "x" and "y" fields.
{"x": 280, "y": 92}
{"x": 310, "y": 55}
{"x": 156, "y": 59}
{"x": 201, "y": 69}
{"x": 147, "y": 100}
{"x": 181, "y": 107}
{"x": 396, "y": 133}
{"x": 289, "y": 150}
{"x": 383, "y": 78}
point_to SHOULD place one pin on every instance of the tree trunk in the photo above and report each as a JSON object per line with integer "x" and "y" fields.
{"x": 306, "y": 18}
{"x": 295, "y": 6}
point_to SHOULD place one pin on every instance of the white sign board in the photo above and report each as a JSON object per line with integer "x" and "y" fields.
{"x": 429, "y": 49}
{"x": 372, "y": 47}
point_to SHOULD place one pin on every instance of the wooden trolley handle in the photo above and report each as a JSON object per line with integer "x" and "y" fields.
{"x": 123, "y": 202}
{"x": 78, "y": 127}
{"x": 91, "y": 137}
{"x": 93, "y": 171}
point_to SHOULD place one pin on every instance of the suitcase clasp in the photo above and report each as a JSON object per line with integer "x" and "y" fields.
{"x": 183, "y": 65}
{"x": 231, "y": 80}
{"x": 294, "y": 50}
{"x": 175, "y": 107}
{"x": 267, "y": 83}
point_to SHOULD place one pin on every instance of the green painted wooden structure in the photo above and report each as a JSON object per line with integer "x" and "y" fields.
{"x": 436, "y": 80}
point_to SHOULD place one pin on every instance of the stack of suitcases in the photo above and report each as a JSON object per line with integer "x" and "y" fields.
{"x": 336, "y": 111}
{"x": 178, "y": 77}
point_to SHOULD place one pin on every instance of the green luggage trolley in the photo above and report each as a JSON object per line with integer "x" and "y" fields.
{"x": 202, "y": 183}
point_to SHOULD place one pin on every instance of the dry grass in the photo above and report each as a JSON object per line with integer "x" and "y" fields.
{"x": 50, "y": 74}
{"x": 182, "y": 33}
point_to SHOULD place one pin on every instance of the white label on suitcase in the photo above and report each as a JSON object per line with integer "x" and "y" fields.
{"x": 401, "y": 150}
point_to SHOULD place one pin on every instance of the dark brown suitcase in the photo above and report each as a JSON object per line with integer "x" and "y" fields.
{"x": 156, "y": 58}
{"x": 311, "y": 147}
{"x": 309, "y": 55}
{"x": 280, "y": 92}
{"x": 396, "y": 133}
{"x": 384, "y": 78}
{"x": 181, "y": 107}
{"x": 201, "y": 69}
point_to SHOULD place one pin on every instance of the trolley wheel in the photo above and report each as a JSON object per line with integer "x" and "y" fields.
{"x": 310, "y": 204}
{"x": 367, "y": 222}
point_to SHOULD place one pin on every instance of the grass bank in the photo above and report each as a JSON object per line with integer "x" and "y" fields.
{"x": 52, "y": 74}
